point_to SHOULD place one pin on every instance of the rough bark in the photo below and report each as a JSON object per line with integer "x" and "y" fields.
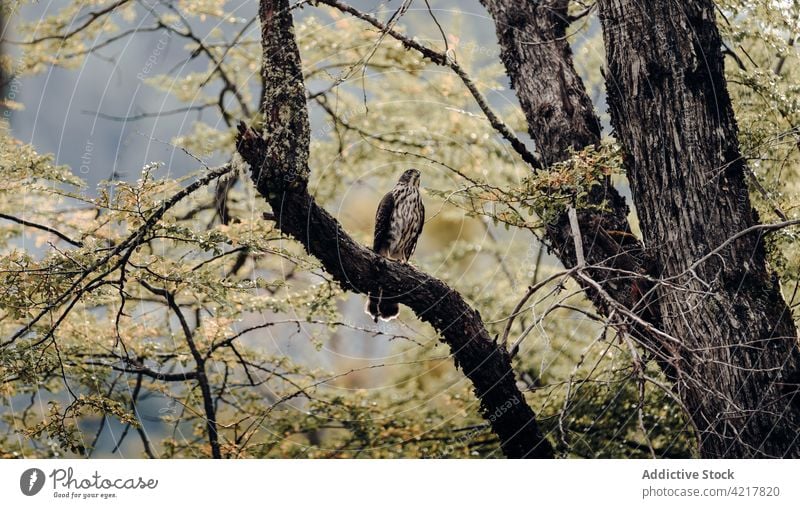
{"x": 538, "y": 60}
{"x": 278, "y": 162}
{"x": 561, "y": 117}
{"x": 737, "y": 359}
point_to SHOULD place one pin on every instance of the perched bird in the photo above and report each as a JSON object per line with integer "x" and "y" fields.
{"x": 398, "y": 224}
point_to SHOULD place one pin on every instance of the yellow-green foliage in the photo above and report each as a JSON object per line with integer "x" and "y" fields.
{"x": 763, "y": 79}
{"x": 312, "y": 377}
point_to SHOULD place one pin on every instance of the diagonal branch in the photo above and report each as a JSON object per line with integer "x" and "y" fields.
{"x": 279, "y": 168}
{"x": 91, "y": 18}
{"x": 42, "y": 227}
{"x": 445, "y": 60}
{"x": 560, "y": 116}
{"x": 123, "y": 250}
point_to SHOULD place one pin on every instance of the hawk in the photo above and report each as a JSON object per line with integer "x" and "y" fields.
{"x": 398, "y": 224}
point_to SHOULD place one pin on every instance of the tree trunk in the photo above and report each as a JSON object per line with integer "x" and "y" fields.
{"x": 561, "y": 117}
{"x": 735, "y": 346}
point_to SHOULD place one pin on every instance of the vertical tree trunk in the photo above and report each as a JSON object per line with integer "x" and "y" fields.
{"x": 538, "y": 59}
{"x": 737, "y": 355}
{"x": 561, "y": 117}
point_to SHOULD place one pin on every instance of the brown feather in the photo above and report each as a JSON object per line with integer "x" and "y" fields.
{"x": 383, "y": 218}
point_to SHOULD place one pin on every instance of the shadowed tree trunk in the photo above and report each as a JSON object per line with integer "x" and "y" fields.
{"x": 561, "y": 117}
{"x": 279, "y": 165}
{"x": 736, "y": 351}
{"x": 730, "y": 346}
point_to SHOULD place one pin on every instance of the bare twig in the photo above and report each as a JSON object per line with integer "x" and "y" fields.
{"x": 444, "y": 60}
{"x": 42, "y": 227}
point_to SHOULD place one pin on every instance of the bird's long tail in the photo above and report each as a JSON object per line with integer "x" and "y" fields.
{"x": 379, "y": 307}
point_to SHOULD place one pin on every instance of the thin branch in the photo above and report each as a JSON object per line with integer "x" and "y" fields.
{"x": 752, "y": 229}
{"x": 42, "y": 227}
{"x": 93, "y": 16}
{"x": 134, "y": 240}
{"x": 200, "y": 367}
{"x": 577, "y": 238}
{"x": 444, "y": 60}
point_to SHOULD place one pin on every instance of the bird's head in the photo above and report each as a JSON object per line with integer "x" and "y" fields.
{"x": 410, "y": 177}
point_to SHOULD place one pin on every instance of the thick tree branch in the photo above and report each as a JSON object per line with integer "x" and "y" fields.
{"x": 279, "y": 169}
{"x": 538, "y": 58}
{"x": 560, "y": 117}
